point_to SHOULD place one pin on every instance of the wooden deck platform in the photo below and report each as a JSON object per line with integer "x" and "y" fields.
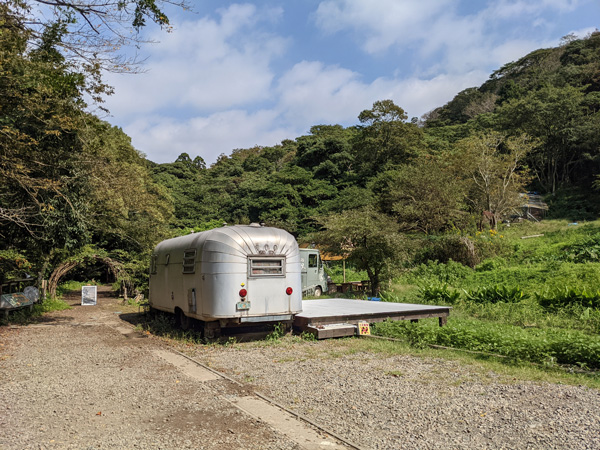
{"x": 336, "y": 317}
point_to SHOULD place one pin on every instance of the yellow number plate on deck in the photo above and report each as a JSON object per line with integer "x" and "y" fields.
{"x": 242, "y": 305}
{"x": 364, "y": 329}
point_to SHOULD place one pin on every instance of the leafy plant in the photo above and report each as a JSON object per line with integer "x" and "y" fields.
{"x": 495, "y": 294}
{"x": 545, "y": 346}
{"x": 561, "y": 297}
{"x": 438, "y": 293}
{"x": 277, "y": 333}
{"x": 586, "y": 250}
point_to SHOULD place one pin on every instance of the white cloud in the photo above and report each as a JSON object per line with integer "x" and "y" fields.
{"x": 382, "y": 23}
{"x": 448, "y": 42}
{"x": 162, "y": 139}
{"x": 205, "y": 65}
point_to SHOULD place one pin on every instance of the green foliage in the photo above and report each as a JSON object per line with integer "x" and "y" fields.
{"x": 70, "y": 286}
{"x": 565, "y": 296}
{"x": 385, "y": 139}
{"x": 586, "y": 250}
{"x": 368, "y": 239}
{"x": 277, "y": 333}
{"x": 547, "y": 346}
{"x": 438, "y": 294}
{"x": 496, "y": 294}
{"x": 452, "y": 247}
{"x": 13, "y": 265}
{"x": 424, "y": 196}
{"x": 335, "y": 270}
{"x": 433, "y": 271}
{"x": 25, "y": 316}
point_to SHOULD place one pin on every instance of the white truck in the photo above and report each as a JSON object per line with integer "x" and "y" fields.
{"x": 314, "y": 278}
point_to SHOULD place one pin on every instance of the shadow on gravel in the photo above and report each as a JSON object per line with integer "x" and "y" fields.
{"x": 52, "y": 320}
{"x": 164, "y": 325}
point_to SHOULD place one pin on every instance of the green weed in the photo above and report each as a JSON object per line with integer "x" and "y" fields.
{"x": 496, "y": 294}
{"x": 543, "y": 346}
{"x": 438, "y": 293}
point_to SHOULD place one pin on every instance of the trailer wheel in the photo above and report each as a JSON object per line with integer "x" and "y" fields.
{"x": 182, "y": 321}
{"x": 318, "y": 291}
{"x": 186, "y": 322}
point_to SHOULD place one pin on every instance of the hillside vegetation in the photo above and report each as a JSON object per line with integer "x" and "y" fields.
{"x": 537, "y": 299}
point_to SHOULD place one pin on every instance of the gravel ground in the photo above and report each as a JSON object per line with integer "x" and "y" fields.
{"x": 74, "y": 381}
{"x": 407, "y": 402}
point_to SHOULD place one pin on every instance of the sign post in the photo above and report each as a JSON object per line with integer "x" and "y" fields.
{"x": 88, "y": 295}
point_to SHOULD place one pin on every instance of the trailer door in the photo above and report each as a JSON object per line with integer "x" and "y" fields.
{"x": 267, "y": 285}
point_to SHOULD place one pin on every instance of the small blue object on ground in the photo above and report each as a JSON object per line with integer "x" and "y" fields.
{"x": 374, "y": 299}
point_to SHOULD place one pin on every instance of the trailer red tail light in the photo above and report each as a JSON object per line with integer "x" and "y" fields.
{"x": 243, "y": 292}
{"x": 289, "y": 291}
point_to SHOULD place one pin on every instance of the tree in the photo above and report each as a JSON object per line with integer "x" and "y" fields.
{"x": 492, "y": 165}
{"x": 368, "y": 239}
{"x": 94, "y": 31}
{"x": 127, "y": 209}
{"x": 566, "y": 125}
{"x": 425, "y": 196}
{"x": 385, "y": 139}
{"x": 40, "y": 103}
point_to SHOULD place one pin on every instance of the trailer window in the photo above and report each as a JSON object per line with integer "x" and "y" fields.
{"x": 189, "y": 261}
{"x": 267, "y": 267}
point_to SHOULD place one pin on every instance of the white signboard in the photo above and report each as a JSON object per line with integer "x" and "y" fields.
{"x": 88, "y": 295}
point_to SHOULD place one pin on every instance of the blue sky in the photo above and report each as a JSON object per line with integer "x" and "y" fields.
{"x": 235, "y": 75}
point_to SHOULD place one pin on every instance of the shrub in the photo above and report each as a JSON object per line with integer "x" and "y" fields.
{"x": 449, "y": 247}
{"x": 449, "y": 272}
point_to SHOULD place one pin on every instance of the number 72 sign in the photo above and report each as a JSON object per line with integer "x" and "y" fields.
{"x": 364, "y": 329}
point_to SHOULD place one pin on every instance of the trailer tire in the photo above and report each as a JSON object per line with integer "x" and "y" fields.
{"x": 318, "y": 291}
{"x": 186, "y": 322}
{"x": 182, "y": 321}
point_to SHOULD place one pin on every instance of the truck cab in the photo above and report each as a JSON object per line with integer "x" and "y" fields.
{"x": 314, "y": 278}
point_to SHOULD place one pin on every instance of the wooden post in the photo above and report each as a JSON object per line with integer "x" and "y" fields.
{"x": 443, "y": 320}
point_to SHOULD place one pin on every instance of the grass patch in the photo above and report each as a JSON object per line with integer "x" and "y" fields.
{"x": 542, "y": 346}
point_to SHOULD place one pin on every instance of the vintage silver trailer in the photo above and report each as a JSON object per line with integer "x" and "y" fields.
{"x": 229, "y": 276}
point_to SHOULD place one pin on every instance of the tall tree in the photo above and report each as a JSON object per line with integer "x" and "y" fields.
{"x": 368, "y": 239}
{"x": 385, "y": 139}
{"x": 96, "y": 32}
{"x": 493, "y": 165}
{"x": 565, "y": 121}
{"x": 425, "y": 196}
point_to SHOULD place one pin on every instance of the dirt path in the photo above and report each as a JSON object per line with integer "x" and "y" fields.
{"x": 84, "y": 378}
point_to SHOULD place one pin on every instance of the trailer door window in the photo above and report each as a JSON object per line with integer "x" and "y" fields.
{"x": 267, "y": 267}
{"x": 189, "y": 261}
